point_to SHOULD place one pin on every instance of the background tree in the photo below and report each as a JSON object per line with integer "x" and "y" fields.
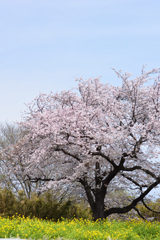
{"x": 100, "y": 136}
{"x": 12, "y": 169}
{"x": 10, "y": 135}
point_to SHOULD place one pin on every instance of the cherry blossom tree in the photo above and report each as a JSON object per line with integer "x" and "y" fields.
{"x": 101, "y": 136}
{"x": 12, "y": 169}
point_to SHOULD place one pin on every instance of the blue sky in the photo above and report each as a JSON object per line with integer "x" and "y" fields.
{"x": 45, "y": 44}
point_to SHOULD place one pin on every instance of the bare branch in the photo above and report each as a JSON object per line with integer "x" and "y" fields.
{"x": 149, "y": 207}
{"x": 141, "y": 216}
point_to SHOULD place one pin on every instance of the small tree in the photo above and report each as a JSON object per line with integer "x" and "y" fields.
{"x": 101, "y": 136}
{"x": 10, "y": 135}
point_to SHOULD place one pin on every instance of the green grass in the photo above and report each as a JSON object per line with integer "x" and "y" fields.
{"x": 26, "y": 228}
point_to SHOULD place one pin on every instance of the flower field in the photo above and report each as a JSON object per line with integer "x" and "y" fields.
{"x": 35, "y": 228}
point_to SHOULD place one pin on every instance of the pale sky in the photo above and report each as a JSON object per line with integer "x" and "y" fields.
{"x": 45, "y": 44}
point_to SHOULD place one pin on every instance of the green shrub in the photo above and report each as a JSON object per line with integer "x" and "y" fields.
{"x": 43, "y": 207}
{"x": 7, "y": 202}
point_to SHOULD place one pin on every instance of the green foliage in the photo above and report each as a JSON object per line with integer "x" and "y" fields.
{"x": 43, "y": 207}
{"x": 7, "y": 202}
{"x": 154, "y": 205}
{"x": 26, "y": 228}
{"x": 47, "y": 207}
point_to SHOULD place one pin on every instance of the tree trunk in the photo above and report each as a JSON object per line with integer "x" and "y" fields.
{"x": 100, "y": 192}
{"x": 98, "y": 212}
{"x": 95, "y": 199}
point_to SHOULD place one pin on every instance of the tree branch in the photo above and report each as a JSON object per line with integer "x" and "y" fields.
{"x": 133, "y": 181}
{"x": 148, "y": 207}
{"x": 39, "y": 179}
{"x": 106, "y": 180}
{"x": 105, "y": 157}
{"x": 67, "y": 153}
{"x": 134, "y": 202}
{"x": 136, "y": 209}
{"x": 140, "y": 168}
{"x": 88, "y": 193}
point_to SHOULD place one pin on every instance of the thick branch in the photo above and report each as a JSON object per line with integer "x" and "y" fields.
{"x": 106, "y": 180}
{"x": 139, "y": 168}
{"x": 105, "y": 157}
{"x": 130, "y": 169}
{"x": 88, "y": 193}
{"x": 134, "y": 202}
{"x": 67, "y": 153}
{"x": 123, "y": 159}
{"x": 97, "y": 174}
{"x": 39, "y": 179}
